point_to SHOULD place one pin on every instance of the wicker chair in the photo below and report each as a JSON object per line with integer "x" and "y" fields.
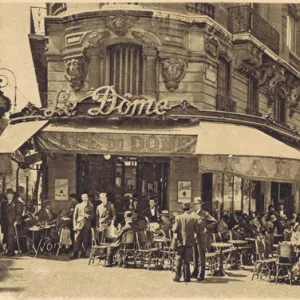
{"x": 286, "y": 257}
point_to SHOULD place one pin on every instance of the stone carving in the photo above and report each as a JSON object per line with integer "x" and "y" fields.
{"x": 67, "y": 109}
{"x": 212, "y": 42}
{"x": 173, "y": 70}
{"x": 95, "y": 38}
{"x": 76, "y": 71}
{"x": 120, "y": 24}
{"x": 247, "y": 59}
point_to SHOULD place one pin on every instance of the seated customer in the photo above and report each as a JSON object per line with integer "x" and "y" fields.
{"x": 128, "y": 216}
{"x": 295, "y": 238}
{"x": 45, "y": 214}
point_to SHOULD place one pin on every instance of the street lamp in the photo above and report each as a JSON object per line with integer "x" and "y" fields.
{"x": 3, "y": 84}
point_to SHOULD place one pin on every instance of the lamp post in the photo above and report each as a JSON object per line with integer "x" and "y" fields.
{"x": 2, "y": 85}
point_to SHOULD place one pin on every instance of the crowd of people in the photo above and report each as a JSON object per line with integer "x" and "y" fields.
{"x": 188, "y": 231}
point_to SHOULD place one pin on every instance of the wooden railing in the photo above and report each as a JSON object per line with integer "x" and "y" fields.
{"x": 225, "y": 104}
{"x": 243, "y": 19}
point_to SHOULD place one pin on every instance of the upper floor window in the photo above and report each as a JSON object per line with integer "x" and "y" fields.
{"x": 291, "y": 32}
{"x": 126, "y": 68}
{"x": 253, "y": 96}
{"x": 224, "y": 78}
{"x": 280, "y": 110}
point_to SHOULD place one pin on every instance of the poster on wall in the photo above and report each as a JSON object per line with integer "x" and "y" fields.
{"x": 61, "y": 189}
{"x": 184, "y": 194}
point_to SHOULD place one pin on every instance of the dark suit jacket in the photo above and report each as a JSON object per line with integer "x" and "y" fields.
{"x": 13, "y": 211}
{"x": 152, "y": 218}
{"x": 186, "y": 225}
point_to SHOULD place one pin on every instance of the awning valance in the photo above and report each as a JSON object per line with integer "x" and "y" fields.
{"x": 114, "y": 140}
{"x": 246, "y": 152}
{"x": 14, "y": 136}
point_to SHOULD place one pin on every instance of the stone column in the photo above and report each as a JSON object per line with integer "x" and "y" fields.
{"x": 94, "y": 70}
{"x": 150, "y": 81}
{"x": 296, "y": 194}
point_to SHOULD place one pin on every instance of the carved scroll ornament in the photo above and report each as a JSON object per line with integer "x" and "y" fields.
{"x": 76, "y": 70}
{"x": 173, "y": 70}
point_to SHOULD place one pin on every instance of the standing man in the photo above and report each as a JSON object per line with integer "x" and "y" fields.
{"x": 200, "y": 248}
{"x": 12, "y": 217}
{"x": 73, "y": 203}
{"x": 105, "y": 214}
{"x": 82, "y": 223}
{"x": 185, "y": 227}
{"x": 152, "y": 212}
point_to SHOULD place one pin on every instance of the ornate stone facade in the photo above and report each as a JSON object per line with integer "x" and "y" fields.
{"x": 76, "y": 70}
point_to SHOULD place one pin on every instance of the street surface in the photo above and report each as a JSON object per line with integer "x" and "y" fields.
{"x": 40, "y": 278}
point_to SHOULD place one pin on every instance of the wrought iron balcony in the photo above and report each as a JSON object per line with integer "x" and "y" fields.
{"x": 253, "y": 112}
{"x": 243, "y": 19}
{"x": 225, "y": 104}
{"x": 207, "y": 9}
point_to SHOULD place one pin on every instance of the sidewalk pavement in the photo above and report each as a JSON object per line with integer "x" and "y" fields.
{"x": 40, "y": 278}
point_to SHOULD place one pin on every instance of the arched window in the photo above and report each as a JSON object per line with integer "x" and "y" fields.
{"x": 126, "y": 68}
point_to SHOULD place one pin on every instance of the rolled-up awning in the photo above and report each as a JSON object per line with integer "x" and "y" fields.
{"x": 247, "y": 152}
{"x": 14, "y": 136}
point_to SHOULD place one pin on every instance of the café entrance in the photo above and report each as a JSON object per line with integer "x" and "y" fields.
{"x": 120, "y": 175}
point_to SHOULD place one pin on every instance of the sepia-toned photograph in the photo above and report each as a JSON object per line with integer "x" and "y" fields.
{"x": 149, "y": 150}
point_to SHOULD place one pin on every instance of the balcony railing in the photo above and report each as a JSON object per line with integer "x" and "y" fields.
{"x": 207, "y": 9}
{"x": 244, "y": 19}
{"x": 225, "y": 104}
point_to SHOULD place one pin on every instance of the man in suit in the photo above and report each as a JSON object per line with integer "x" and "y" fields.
{"x": 152, "y": 212}
{"x": 12, "y": 217}
{"x": 105, "y": 214}
{"x": 129, "y": 225}
{"x": 185, "y": 227}
{"x": 82, "y": 223}
{"x": 200, "y": 248}
{"x": 45, "y": 214}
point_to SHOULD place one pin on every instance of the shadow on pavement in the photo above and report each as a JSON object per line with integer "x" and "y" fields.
{"x": 5, "y": 264}
{"x": 11, "y": 289}
{"x": 219, "y": 280}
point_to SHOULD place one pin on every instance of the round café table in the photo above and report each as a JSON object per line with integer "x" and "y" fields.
{"x": 237, "y": 243}
{"x": 221, "y": 246}
{"x": 34, "y": 230}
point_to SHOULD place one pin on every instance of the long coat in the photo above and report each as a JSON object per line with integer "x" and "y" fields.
{"x": 13, "y": 212}
{"x": 185, "y": 226}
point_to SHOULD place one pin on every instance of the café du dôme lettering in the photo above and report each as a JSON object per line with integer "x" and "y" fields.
{"x": 116, "y": 143}
{"x": 109, "y": 102}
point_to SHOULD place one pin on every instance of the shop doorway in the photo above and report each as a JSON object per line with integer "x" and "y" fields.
{"x": 121, "y": 175}
{"x": 282, "y": 192}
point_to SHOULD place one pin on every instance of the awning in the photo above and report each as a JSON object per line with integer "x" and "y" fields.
{"x": 247, "y": 152}
{"x": 79, "y": 138}
{"x": 14, "y": 136}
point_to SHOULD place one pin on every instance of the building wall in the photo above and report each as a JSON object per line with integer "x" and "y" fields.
{"x": 182, "y": 169}
{"x": 60, "y": 167}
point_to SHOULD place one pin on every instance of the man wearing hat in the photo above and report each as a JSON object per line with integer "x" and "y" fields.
{"x": 185, "y": 227}
{"x": 200, "y": 248}
{"x": 45, "y": 214}
{"x": 12, "y": 217}
{"x": 166, "y": 224}
{"x": 128, "y": 216}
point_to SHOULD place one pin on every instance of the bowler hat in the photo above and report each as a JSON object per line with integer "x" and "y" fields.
{"x": 10, "y": 191}
{"x": 186, "y": 206}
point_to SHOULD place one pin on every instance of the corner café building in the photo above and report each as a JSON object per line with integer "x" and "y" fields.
{"x": 109, "y": 143}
